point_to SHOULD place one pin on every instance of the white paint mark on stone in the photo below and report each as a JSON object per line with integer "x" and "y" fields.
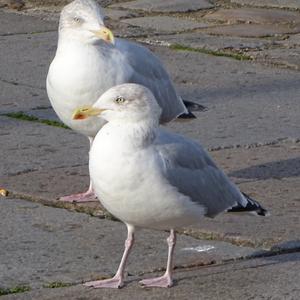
{"x": 204, "y": 248}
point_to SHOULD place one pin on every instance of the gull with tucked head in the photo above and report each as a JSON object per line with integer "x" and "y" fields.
{"x": 89, "y": 61}
{"x": 151, "y": 178}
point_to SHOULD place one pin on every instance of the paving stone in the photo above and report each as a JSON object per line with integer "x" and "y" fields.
{"x": 62, "y": 2}
{"x": 244, "y": 100}
{"x": 273, "y": 277}
{"x": 30, "y": 55}
{"x": 116, "y": 14}
{"x": 283, "y": 57}
{"x": 254, "y": 15}
{"x": 212, "y": 42}
{"x": 22, "y": 24}
{"x": 271, "y": 175}
{"x": 15, "y": 96}
{"x": 291, "y": 41}
{"x": 28, "y": 146}
{"x": 165, "y": 23}
{"x": 268, "y": 173}
{"x": 41, "y": 245}
{"x": 269, "y": 3}
{"x": 166, "y": 6}
{"x": 253, "y": 30}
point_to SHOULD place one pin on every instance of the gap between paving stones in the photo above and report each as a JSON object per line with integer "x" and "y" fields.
{"x": 95, "y": 209}
{"x": 26, "y": 33}
{"x": 30, "y": 118}
{"x": 21, "y": 84}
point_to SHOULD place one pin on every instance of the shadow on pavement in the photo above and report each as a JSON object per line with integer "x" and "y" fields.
{"x": 276, "y": 169}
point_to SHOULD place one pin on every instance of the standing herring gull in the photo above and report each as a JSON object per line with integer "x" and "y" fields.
{"x": 150, "y": 178}
{"x": 89, "y": 61}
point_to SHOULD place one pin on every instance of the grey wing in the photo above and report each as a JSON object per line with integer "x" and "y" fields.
{"x": 149, "y": 71}
{"x": 189, "y": 168}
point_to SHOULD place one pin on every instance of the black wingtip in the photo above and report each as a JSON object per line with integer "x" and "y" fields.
{"x": 188, "y": 115}
{"x": 252, "y": 207}
{"x": 192, "y": 106}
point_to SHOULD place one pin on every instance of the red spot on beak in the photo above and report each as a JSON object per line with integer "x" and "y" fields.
{"x": 80, "y": 117}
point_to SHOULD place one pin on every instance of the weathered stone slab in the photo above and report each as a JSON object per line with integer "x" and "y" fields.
{"x": 253, "y": 30}
{"x": 28, "y": 146}
{"x": 16, "y": 96}
{"x": 268, "y": 173}
{"x": 25, "y": 59}
{"x": 244, "y": 100}
{"x": 254, "y": 15}
{"x": 269, "y": 3}
{"x": 211, "y": 42}
{"x": 41, "y": 245}
{"x": 273, "y": 277}
{"x": 165, "y": 23}
{"x": 283, "y": 57}
{"x": 291, "y": 41}
{"x": 116, "y": 14}
{"x": 166, "y": 6}
{"x": 16, "y": 24}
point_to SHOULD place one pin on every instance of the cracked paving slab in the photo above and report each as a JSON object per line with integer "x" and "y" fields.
{"x": 253, "y": 30}
{"x": 165, "y": 24}
{"x": 211, "y": 42}
{"x": 23, "y": 24}
{"x": 40, "y": 245}
{"x": 238, "y": 94}
{"x": 166, "y": 6}
{"x": 289, "y": 58}
{"x": 273, "y": 277}
{"x": 268, "y": 173}
{"x": 254, "y": 15}
{"x": 31, "y": 146}
{"x": 247, "y": 103}
{"x": 293, "y": 4}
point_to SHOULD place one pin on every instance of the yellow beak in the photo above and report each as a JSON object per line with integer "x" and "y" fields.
{"x": 104, "y": 34}
{"x": 85, "y": 112}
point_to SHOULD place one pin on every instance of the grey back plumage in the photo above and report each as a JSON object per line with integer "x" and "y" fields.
{"x": 189, "y": 168}
{"x": 148, "y": 70}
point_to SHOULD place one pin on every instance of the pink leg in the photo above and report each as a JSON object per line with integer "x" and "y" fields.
{"x": 166, "y": 279}
{"x": 87, "y": 196}
{"x": 118, "y": 280}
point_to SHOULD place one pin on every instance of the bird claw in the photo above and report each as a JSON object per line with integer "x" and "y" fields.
{"x": 163, "y": 281}
{"x": 112, "y": 283}
{"x": 88, "y": 196}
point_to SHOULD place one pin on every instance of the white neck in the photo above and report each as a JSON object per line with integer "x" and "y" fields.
{"x": 131, "y": 134}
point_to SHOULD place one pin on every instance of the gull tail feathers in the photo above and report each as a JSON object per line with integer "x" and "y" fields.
{"x": 252, "y": 207}
{"x": 193, "y": 106}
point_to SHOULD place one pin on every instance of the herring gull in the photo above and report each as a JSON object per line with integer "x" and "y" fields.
{"x": 151, "y": 178}
{"x": 89, "y": 61}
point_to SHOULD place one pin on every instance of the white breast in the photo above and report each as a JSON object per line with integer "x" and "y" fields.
{"x": 78, "y": 76}
{"x": 130, "y": 184}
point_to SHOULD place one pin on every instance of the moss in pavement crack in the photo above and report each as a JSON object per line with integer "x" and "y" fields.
{"x": 14, "y": 290}
{"x": 236, "y": 56}
{"x": 56, "y": 284}
{"x": 25, "y": 117}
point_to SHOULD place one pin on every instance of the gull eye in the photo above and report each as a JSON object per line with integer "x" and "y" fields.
{"x": 78, "y": 20}
{"x": 120, "y": 100}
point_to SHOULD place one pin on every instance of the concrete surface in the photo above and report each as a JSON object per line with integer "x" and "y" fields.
{"x": 44, "y": 244}
{"x": 251, "y": 88}
{"x": 164, "y": 24}
{"x": 242, "y": 280}
{"x": 165, "y": 6}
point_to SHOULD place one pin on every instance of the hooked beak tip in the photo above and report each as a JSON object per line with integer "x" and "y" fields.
{"x": 104, "y": 34}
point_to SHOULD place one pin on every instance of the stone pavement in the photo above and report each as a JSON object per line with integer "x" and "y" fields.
{"x": 238, "y": 58}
